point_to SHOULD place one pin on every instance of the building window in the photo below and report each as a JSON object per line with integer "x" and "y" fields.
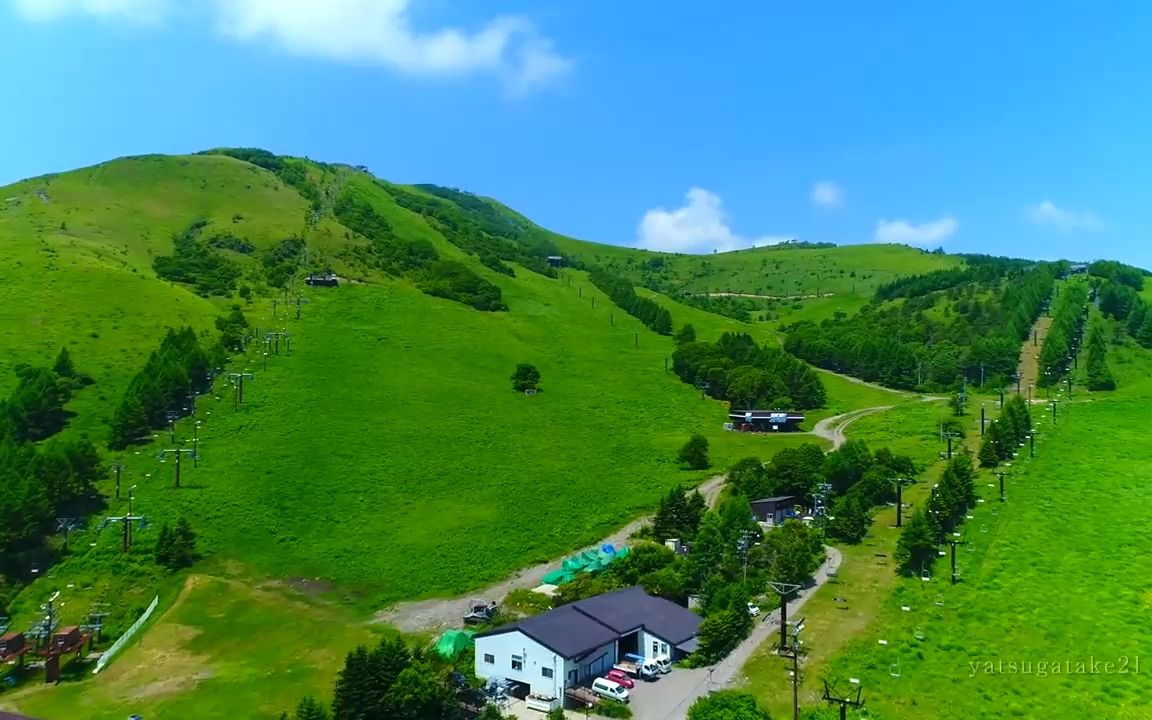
{"x": 663, "y": 648}
{"x": 517, "y": 662}
{"x": 489, "y": 658}
{"x": 546, "y": 672}
{"x": 655, "y": 648}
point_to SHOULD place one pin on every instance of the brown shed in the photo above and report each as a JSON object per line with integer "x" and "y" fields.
{"x": 11, "y": 643}
{"x": 66, "y": 639}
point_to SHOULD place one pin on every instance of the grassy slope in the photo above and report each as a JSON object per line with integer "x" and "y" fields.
{"x": 845, "y": 271}
{"x": 81, "y": 263}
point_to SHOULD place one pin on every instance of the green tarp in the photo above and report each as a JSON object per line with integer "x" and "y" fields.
{"x": 587, "y": 561}
{"x": 453, "y": 642}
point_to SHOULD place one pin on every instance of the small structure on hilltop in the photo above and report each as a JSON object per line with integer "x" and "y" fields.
{"x": 556, "y": 261}
{"x": 765, "y": 420}
{"x": 326, "y": 279}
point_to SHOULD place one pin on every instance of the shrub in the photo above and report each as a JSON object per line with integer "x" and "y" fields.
{"x": 526, "y": 377}
{"x": 694, "y": 454}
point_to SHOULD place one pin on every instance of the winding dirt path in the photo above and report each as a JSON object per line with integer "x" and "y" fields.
{"x": 832, "y": 429}
{"x": 443, "y": 613}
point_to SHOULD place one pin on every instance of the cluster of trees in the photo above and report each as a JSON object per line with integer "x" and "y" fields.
{"x": 416, "y": 259}
{"x": 233, "y": 327}
{"x": 176, "y": 546}
{"x": 979, "y": 269}
{"x": 947, "y": 505}
{"x": 391, "y": 680}
{"x": 737, "y": 308}
{"x": 621, "y": 292}
{"x": 1003, "y": 436}
{"x": 1123, "y": 304}
{"x": 678, "y": 515}
{"x": 291, "y": 171}
{"x": 175, "y": 370}
{"x": 929, "y": 342}
{"x": 855, "y": 480}
{"x": 1069, "y": 311}
{"x": 477, "y": 226}
{"x": 39, "y": 481}
{"x": 1099, "y": 374}
{"x": 1119, "y": 273}
{"x": 747, "y": 374}
{"x": 283, "y": 261}
{"x": 728, "y": 705}
{"x": 195, "y": 261}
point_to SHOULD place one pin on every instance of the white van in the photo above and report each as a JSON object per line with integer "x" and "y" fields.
{"x": 663, "y": 664}
{"x": 609, "y": 689}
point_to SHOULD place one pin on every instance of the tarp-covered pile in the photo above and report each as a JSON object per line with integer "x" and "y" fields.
{"x": 589, "y": 561}
{"x": 453, "y": 642}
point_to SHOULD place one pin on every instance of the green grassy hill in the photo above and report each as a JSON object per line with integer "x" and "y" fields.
{"x": 386, "y": 457}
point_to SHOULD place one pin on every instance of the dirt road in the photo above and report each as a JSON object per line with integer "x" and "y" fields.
{"x": 443, "y": 613}
{"x": 832, "y": 429}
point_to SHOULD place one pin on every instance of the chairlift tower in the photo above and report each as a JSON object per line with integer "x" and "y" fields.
{"x": 784, "y": 590}
{"x": 793, "y": 653}
{"x": 67, "y": 525}
{"x": 299, "y": 301}
{"x": 1000, "y": 474}
{"x": 949, "y": 436}
{"x": 275, "y": 335}
{"x": 126, "y": 521}
{"x": 900, "y": 483}
{"x": 177, "y": 452}
{"x": 844, "y": 701}
{"x": 954, "y": 542}
{"x": 237, "y": 379}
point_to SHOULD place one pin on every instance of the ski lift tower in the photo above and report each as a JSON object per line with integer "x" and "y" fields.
{"x": 844, "y": 701}
{"x": 177, "y": 452}
{"x": 126, "y": 521}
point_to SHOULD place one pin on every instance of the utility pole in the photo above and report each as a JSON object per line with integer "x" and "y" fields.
{"x": 954, "y": 542}
{"x": 784, "y": 590}
{"x": 742, "y": 546}
{"x": 900, "y": 483}
{"x": 844, "y": 701}
{"x": 981, "y": 419}
{"x": 163, "y": 454}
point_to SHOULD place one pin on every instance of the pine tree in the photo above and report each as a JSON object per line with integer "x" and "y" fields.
{"x": 164, "y": 547}
{"x": 311, "y": 709}
{"x": 916, "y": 547}
{"x": 694, "y": 454}
{"x": 63, "y": 365}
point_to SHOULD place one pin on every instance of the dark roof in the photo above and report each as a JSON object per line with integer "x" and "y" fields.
{"x": 580, "y": 627}
{"x": 564, "y": 631}
{"x": 632, "y": 608}
{"x": 766, "y": 414}
{"x": 778, "y": 499}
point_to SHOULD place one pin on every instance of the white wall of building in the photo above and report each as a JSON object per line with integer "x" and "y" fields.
{"x": 541, "y": 669}
{"x": 653, "y": 646}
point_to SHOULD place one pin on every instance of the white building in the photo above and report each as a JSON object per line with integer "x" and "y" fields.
{"x": 570, "y": 645}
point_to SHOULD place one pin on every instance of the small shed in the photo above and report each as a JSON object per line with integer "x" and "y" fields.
{"x": 766, "y": 420}
{"x": 11, "y": 643}
{"x": 555, "y": 261}
{"x": 774, "y": 510}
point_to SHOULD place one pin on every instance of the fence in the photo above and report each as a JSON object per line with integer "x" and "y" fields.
{"x": 126, "y": 637}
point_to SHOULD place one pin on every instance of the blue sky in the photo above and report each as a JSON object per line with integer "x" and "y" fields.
{"x": 1010, "y": 128}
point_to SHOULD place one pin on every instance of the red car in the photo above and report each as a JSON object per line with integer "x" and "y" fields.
{"x": 619, "y": 676}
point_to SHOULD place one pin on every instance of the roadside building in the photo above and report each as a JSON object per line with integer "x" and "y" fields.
{"x": 765, "y": 420}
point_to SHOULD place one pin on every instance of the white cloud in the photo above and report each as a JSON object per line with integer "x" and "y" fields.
{"x": 700, "y": 226}
{"x": 1046, "y": 213}
{"x": 904, "y": 232}
{"x": 827, "y": 194}
{"x": 363, "y": 31}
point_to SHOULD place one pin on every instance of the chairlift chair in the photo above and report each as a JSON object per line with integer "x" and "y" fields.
{"x": 918, "y": 633}
{"x": 894, "y": 669}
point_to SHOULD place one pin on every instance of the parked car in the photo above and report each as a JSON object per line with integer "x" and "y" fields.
{"x": 621, "y": 677}
{"x": 607, "y": 688}
{"x": 639, "y": 667}
{"x": 753, "y": 610}
{"x": 663, "y": 664}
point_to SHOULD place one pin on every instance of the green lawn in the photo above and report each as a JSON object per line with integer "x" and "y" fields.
{"x": 1049, "y": 583}
{"x": 220, "y": 650}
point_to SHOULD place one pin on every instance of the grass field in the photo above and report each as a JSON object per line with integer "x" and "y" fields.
{"x": 1047, "y": 588}
{"x": 844, "y": 271}
{"x": 218, "y": 651}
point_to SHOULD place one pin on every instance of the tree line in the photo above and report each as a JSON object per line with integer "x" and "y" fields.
{"x": 930, "y": 342}
{"x": 747, "y": 374}
{"x": 1122, "y": 303}
{"x": 416, "y": 259}
{"x": 623, "y": 294}
{"x": 1069, "y": 311}
{"x": 930, "y": 525}
{"x": 1004, "y": 435}
{"x": 180, "y": 367}
{"x": 1098, "y": 373}
{"x": 979, "y": 269}
{"x": 42, "y": 477}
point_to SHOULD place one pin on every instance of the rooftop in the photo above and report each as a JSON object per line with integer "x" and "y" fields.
{"x": 580, "y": 627}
